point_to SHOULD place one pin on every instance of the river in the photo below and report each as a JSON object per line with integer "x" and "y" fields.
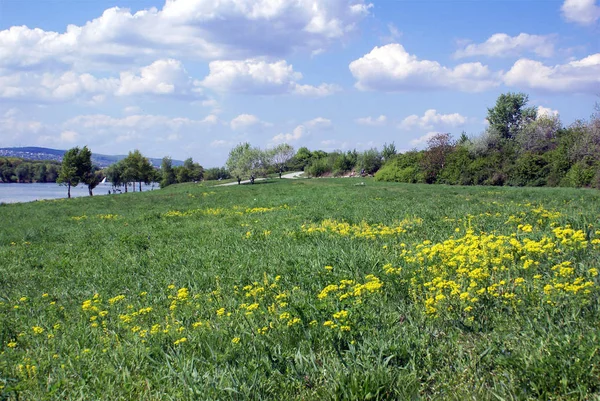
{"x": 13, "y": 193}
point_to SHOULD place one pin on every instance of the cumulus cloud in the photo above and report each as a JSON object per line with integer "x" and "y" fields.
{"x": 319, "y": 123}
{"x": 203, "y": 28}
{"x": 546, "y": 112}
{"x": 432, "y": 119}
{"x": 259, "y": 77}
{"x": 584, "y": 12}
{"x": 295, "y": 135}
{"x": 503, "y": 45}
{"x": 381, "y": 120}
{"x": 161, "y": 78}
{"x": 391, "y": 68}
{"x": 210, "y": 119}
{"x": 246, "y": 121}
{"x": 579, "y": 76}
{"x": 303, "y": 130}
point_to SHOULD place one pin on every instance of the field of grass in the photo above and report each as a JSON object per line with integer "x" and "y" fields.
{"x": 302, "y": 290}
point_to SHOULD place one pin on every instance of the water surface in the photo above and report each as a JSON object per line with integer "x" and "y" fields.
{"x": 12, "y": 193}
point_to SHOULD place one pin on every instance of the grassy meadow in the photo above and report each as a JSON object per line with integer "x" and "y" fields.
{"x": 302, "y": 290}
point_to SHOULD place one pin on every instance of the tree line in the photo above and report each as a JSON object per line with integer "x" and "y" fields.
{"x": 519, "y": 148}
{"x": 16, "y": 170}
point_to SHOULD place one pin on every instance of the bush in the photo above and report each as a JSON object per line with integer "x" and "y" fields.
{"x": 580, "y": 175}
{"x": 317, "y": 167}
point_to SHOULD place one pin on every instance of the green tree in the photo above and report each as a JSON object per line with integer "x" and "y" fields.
{"x": 167, "y": 173}
{"x": 114, "y": 173}
{"x": 301, "y": 159}
{"x": 189, "y": 172}
{"x": 137, "y": 169}
{"x": 40, "y": 172}
{"x": 22, "y": 172}
{"x": 370, "y": 161}
{"x": 510, "y": 114}
{"x": 388, "y": 151}
{"x": 281, "y": 155}
{"x": 87, "y": 172}
{"x": 241, "y": 161}
{"x": 70, "y": 170}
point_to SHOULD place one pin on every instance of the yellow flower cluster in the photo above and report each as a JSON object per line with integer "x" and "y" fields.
{"x": 362, "y": 230}
{"x": 461, "y": 276}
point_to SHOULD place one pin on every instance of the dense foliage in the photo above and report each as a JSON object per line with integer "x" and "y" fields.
{"x": 20, "y": 170}
{"x": 169, "y": 175}
{"x": 518, "y": 149}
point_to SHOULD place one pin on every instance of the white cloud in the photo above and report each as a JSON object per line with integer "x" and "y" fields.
{"x": 295, "y": 135}
{"x": 584, "y": 12}
{"x": 390, "y": 68}
{"x": 103, "y": 124}
{"x": 201, "y": 28}
{"x": 161, "y": 78}
{"x": 381, "y": 120}
{"x": 546, "y": 112}
{"x": 303, "y": 130}
{"x": 246, "y": 121}
{"x": 259, "y": 77}
{"x": 431, "y": 119}
{"x": 315, "y": 91}
{"x": 319, "y": 123}
{"x": 503, "y": 45}
{"x": 422, "y": 140}
{"x": 17, "y": 128}
{"x": 210, "y": 119}
{"x": 579, "y": 76}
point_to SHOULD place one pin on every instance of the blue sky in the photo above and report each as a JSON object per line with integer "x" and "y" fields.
{"x": 192, "y": 78}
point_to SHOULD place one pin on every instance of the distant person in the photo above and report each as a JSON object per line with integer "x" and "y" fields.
{"x": 109, "y": 191}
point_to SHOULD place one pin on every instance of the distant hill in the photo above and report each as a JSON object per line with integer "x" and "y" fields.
{"x": 35, "y": 153}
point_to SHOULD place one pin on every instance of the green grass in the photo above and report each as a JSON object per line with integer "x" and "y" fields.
{"x": 239, "y": 272}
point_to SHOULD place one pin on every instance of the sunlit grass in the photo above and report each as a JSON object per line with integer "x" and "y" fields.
{"x": 310, "y": 289}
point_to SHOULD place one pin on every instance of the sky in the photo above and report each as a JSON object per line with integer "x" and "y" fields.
{"x": 193, "y": 78}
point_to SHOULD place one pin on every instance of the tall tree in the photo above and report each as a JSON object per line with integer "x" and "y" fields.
{"x": 86, "y": 171}
{"x": 510, "y": 114}
{"x": 70, "y": 171}
{"x": 241, "y": 161}
{"x": 114, "y": 173}
{"x": 388, "y": 151}
{"x": 439, "y": 147}
{"x": 167, "y": 172}
{"x": 281, "y": 155}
